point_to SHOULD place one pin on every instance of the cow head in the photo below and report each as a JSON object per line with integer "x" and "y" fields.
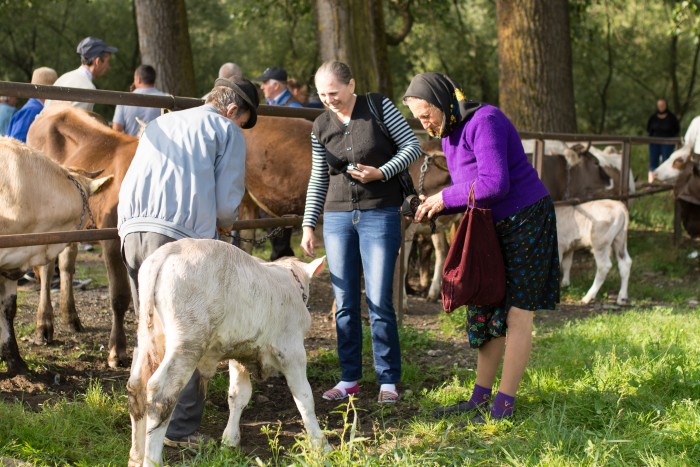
{"x": 672, "y": 167}
{"x": 585, "y": 176}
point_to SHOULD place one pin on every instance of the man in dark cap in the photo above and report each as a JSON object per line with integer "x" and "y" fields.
{"x": 274, "y": 87}
{"x": 94, "y": 59}
{"x": 186, "y": 180}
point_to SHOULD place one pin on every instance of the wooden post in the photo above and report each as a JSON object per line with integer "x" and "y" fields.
{"x": 677, "y": 230}
{"x": 538, "y": 157}
{"x": 625, "y": 175}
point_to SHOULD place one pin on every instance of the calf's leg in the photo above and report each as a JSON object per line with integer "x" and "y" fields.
{"x": 239, "y": 393}
{"x": 136, "y": 387}
{"x": 9, "y": 352}
{"x": 294, "y": 370}
{"x": 440, "y": 244}
{"x": 566, "y": 259}
{"x": 624, "y": 265}
{"x": 603, "y": 265}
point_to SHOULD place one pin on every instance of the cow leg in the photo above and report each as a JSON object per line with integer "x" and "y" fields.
{"x": 247, "y": 210}
{"x": 8, "y": 342}
{"x": 566, "y": 260}
{"x": 66, "y": 264}
{"x": 425, "y": 253}
{"x": 407, "y": 245}
{"x": 624, "y": 265}
{"x": 440, "y": 244}
{"x": 136, "y": 388}
{"x": 294, "y": 370}
{"x": 44, "y": 314}
{"x": 164, "y": 389}
{"x": 120, "y": 297}
{"x": 603, "y": 265}
{"x": 239, "y": 393}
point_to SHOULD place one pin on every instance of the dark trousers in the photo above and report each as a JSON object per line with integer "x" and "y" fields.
{"x": 187, "y": 414}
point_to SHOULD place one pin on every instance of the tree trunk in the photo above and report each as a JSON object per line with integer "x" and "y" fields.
{"x": 534, "y": 55}
{"x": 164, "y": 41}
{"x": 354, "y": 33}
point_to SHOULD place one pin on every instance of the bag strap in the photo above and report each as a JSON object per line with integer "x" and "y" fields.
{"x": 374, "y": 101}
{"x": 471, "y": 202}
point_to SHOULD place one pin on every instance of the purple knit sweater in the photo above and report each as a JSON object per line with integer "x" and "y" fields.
{"x": 487, "y": 149}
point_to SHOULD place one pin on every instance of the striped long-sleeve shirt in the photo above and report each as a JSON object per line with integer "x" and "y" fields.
{"x": 408, "y": 151}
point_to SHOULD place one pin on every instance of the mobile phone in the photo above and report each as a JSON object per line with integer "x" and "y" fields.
{"x": 352, "y": 166}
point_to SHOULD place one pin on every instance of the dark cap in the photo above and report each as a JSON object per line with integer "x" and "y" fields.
{"x": 92, "y": 47}
{"x": 273, "y": 73}
{"x": 246, "y": 91}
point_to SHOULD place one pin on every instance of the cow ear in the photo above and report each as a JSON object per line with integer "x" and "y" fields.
{"x": 315, "y": 266}
{"x": 85, "y": 173}
{"x": 100, "y": 183}
{"x": 572, "y": 157}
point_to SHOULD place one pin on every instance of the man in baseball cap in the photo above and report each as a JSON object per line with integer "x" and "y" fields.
{"x": 94, "y": 59}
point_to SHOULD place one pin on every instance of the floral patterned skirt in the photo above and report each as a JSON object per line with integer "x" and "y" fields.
{"x": 528, "y": 241}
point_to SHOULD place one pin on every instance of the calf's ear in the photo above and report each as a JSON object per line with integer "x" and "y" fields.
{"x": 85, "y": 173}
{"x": 315, "y": 266}
{"x": 98, "y": 184}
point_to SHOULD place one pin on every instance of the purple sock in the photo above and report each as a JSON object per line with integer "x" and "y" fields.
{"x": 502, "y": 406}
{"x": 480, "y": 396}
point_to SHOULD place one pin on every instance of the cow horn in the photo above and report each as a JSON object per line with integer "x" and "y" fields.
{"x": 85, "y": 173}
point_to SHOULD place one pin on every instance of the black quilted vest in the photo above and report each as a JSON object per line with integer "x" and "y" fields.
{"x": 361, "y": 141}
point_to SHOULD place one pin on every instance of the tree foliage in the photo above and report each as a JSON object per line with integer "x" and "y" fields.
{"x": 626, "y": 53}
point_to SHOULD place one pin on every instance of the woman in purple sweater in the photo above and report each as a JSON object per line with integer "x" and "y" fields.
{"x": 483, "y": 147}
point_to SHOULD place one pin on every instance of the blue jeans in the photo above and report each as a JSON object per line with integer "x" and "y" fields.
{"x": 366, "y": 240}
{"x": 659, "y": 153}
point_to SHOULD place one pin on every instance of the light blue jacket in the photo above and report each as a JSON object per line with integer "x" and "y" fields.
{"x": 187, "y": 177}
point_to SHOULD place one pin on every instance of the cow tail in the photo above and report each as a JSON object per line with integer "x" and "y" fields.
{"x": 620, "y": 242}
{"x": 147, "y": 354}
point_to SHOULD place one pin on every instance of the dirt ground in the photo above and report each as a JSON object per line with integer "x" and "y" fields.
{"x": 73, "y": 359}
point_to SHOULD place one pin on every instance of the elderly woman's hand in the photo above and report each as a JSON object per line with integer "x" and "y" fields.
{"x": 366, "y": 173}
{"x": 429, "y": 207}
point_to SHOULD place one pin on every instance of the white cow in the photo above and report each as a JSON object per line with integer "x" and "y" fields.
{"x": 36, "y": 195}
{"x": 672, "y": 167}
{"x": 204, "y": 301}
{"x": 600, "y": 226}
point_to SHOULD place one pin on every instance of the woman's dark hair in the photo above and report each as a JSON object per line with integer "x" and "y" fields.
{"x": 338, "y": 69}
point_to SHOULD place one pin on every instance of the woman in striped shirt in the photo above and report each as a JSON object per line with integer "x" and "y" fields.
{"x": 353, "y": 181}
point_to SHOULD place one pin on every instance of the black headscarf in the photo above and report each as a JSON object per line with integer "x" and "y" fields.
{"x": 446, "y": 95}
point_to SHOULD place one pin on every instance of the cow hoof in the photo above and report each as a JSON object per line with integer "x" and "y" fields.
{"x": 76, "y": 325}
{"x": 586, "y": 300}
{"x": 16, "y": 366}
{"x": 114, "y": 361}
{"x": 623, "y": 301}
{"x": 44, "y": 335}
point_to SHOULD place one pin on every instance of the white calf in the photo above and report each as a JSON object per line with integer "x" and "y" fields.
{"x": 204, "y": 301}
{"x": 600, "y": 226}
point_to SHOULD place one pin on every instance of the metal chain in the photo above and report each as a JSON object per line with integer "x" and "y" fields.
{"x": 86, "y": 205}
{"x": 276, "y": 232}
{"x": 423, "y": 170}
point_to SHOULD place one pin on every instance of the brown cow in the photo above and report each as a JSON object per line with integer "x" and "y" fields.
{"x": 277, "y": 180}
{"x": 687, "y": 193}
{"x": 37, "y": 195}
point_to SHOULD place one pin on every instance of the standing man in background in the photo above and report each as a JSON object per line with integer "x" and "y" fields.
{"x": 19, "y": 125}
{"x": 7, "y": 110}
{"x": 94, "y": 63}
{"x": 664, "y": 124}
{"x": 125, "y": 115}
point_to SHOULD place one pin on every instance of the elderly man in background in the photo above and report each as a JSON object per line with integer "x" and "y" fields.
{"x": 23, "y": 118}
{"x": 7, "y": 110}
{"x": 230, "y": 70}
{"x": 94, "y": 59}
{"x": 126, "y": 117}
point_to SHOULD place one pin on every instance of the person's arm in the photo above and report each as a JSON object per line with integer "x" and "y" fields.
{"x": 318, "y": 184}
{"x": 229, "y": 174}
{"x": 408, "y": 146}
{"x": 118, "y": 120}
{"x": 488, "y": 138}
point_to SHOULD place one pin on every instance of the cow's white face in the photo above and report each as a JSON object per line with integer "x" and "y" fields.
{"x": 671, "y": 168}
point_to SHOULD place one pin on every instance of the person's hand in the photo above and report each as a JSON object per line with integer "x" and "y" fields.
{"x": 366, "y": 173}
{"x": 225, "y": 230}
{"x": 429, "y": 207}
{"x": 307, "y": 241}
